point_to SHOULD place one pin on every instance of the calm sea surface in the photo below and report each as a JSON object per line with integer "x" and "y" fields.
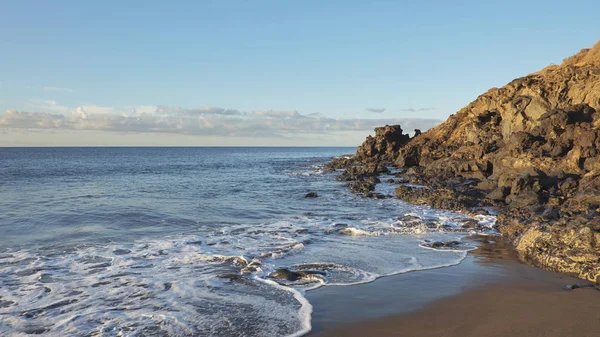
{"x": 180, "y": 241}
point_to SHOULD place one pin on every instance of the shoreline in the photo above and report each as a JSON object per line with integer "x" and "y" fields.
{"x": 518, "y": 309}
{"x": 493, "y": 268}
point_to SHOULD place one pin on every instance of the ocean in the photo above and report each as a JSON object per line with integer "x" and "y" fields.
{"x": 181, "y": 241}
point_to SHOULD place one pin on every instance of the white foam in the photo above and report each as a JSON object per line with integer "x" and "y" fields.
{"x": 141, "y": 289}
{"x": 314, "y": 170}
{"x": 305, "y": 312}
{"x": 486, "y": 221}
{"x": 123, "y": 288}
{"x": 351, "y": 231}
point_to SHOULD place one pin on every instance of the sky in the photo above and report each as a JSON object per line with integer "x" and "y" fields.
{"x": 260, "y": 73}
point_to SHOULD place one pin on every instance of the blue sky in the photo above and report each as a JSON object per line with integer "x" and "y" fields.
{"x": 363, "y": 62}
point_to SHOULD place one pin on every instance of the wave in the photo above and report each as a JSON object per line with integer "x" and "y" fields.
{"x": 221, "y": 282}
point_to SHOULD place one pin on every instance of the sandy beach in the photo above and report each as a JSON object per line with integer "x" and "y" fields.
{"x": 490, "y": 294}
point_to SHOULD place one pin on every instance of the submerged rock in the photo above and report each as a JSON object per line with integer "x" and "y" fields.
{"x": 285, "y": 275}
{"x": 442, "y": 244}
{"x": 231, "y": 277}
{"x": 311, "y": 195}
{"x": 374, "y": 195}
{"x": 121, "y": 251}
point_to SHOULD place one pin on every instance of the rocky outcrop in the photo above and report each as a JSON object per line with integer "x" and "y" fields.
{"x": 384, "y": 146}
{"x": 530, "y": 148}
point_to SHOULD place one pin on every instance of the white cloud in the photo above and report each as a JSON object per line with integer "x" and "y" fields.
{"x": 206, "y": 110}
{"x": 94, "y": 109}
{"x": 375, "y": 110}
{"x": 276, "y": 114}
{"x": 211, "y": 110}
{"x": 144, "y": 109}
{"x": 31, "y": 120}
{"x": 203, "y": 121}
{"x": 80, "y": 112}
{"x": 417, "y": 109}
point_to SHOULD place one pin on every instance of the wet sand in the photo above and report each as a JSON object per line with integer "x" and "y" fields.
{"x": 489, "y": 294}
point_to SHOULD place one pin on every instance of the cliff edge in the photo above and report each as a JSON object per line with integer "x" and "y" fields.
{"x": 530, "y": 148}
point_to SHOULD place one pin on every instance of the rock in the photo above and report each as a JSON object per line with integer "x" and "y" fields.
{"x": 499, "y": 194}
{"x": 409, "y": 218}
{"x": 568, "y": 185}
{"x": 408, "y": 157}
{"x": 120, "y": 251}
{"x": 443, "y": 197}
{"x": 362, "y": 173}
{"x": 376, "y": 195}
{"x": 231, "y": 277}
{"x": 523, "y": 199}
{"x": 521, "y": 141}
{"x": 481, "y": 211}
{"x": 577, "y": 286}
{"x": 311, "y": 195}
{"x": 342, "y": 162}
{"x": 285, "y": 274}
{"x": 470, "y": 223}
{"x": 551, "y": 214}
{"x": 361, "y": 186}
{"x": 530, "y": 148}
{"x": 384, "y": 146}
{"x": 373, "y": 180}
{"x": 441, "y": 244}
{"x": 6, "y": 304}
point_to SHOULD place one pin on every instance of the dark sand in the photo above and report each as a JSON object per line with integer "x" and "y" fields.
{"x": 488, "y": 294}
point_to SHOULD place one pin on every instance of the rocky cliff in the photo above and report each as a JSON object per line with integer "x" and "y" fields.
{"x": 530, "y": 148}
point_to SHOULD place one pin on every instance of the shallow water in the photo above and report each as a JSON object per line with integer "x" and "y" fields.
{"x": 181, "y": 241}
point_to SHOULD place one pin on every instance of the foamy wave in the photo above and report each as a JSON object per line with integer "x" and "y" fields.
{"x": 217, "y": 283}
{"x": 148, "y": 288}
{"x": 350, "y": 231}
{"x": 314, "y": 170}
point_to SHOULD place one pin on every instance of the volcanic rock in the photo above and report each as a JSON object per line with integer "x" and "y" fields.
{"x": 530, "y": 148}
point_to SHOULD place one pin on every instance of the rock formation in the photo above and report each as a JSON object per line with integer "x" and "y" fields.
{"x": 384, "y": 146}
{"x": 530, "y": 148}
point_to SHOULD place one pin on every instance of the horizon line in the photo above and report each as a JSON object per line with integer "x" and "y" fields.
{"x": 170, "y": 146}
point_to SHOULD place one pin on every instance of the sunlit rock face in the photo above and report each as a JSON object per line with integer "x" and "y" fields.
{"x": 530, "y": 148}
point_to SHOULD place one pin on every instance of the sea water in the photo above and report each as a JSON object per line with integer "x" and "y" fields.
{"x": 181, "y": 241}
